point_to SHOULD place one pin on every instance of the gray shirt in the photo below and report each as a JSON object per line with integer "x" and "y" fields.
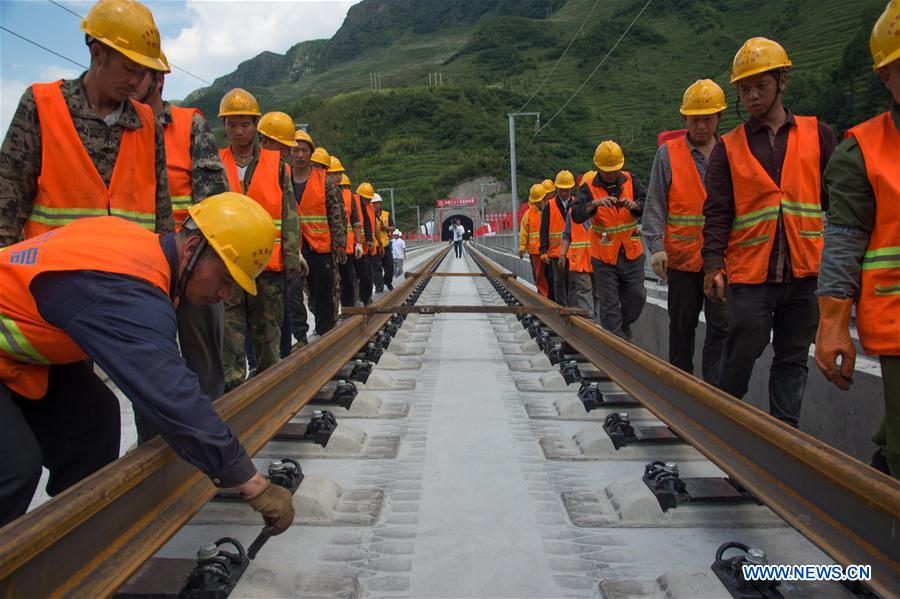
{"x": 656, "y": 208}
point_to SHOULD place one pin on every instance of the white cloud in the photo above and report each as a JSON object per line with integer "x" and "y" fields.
{"x": 10, "y": 93}
{"x": 54, "y": 72}
{"x": 224, "y": 34}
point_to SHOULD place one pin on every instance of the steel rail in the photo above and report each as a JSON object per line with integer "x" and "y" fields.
{"x": 851, "y": 511}
{"x": 88, "y": 540}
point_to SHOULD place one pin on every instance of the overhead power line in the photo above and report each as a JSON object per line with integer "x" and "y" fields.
{"x": 34, "y": 43}
{"x": 558, "y": 60}
{"x": 587, "y": 79}
{"x": 171, "y": 64}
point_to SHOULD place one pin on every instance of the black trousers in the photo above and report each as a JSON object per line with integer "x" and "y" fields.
{"x": 296, "y": 320}
{"x": 363, "y": 266}
{"x": 321, "y": 288}
{"x": 686, "y": 299}
{"x": 789, "y": 312}
{"x": 387, "y": 267}
{"x": 73, "y": 431}
{"x": 349, "y": 283}
{"x": 457, "y": 248}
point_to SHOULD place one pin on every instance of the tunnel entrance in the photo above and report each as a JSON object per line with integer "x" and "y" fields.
{"x": 464, "y": 220}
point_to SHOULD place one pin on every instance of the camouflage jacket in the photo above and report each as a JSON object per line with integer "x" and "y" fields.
{"x": 207, "y": 172}
{"x": 290, "y": 220}
{"x": 20, "y": 157}
{"x": 337, "y": 216}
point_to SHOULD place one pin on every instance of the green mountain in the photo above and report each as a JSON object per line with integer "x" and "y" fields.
{"x": 493, "y": 56}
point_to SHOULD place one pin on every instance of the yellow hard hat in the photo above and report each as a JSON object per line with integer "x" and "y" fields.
{"x": 126, "y": 26}
{"x": 703, "y": 96}
{"x": 366, "y": 190}
{"x": 549, "y": 187}
{"x": 278, "y": 126}
{"x": 345, "y": 180}
{"x": 165, "y": 61}
{"x": 302, "y": 135}
{"x": 240, "y": 231}
{"x": 609, "y": 157}
{"x": 758, "y": 55}
{"x": 335, "y": 165}
{"x": 536, "y": 194}
{"x": 238, "y": 102}
{"x": 564, "y": 180}
{"x": 885, "y": 39}
{"x": 320, "y": 156}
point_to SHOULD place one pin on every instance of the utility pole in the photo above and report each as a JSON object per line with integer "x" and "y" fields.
{"x": 512, "y": 161}
{"x": 483, "y": 198}
{"x": 418, "y": 222}
{"x": 390, "y": 189}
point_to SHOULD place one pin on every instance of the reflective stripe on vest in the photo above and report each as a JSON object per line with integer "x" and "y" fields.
{"x": 534, "y": 230}
{"x": 265, "y": 188}
{"x": 69, "y": 186}
{"x": 557, "y": 224}
{"x": 178, "y": 161}
{"x": 28, "y": 343}
{"x": 313, "y": 215}
{"x": 348, "y": 209}
{"x": 878, "y": 312}
{"x": 579, "y": 253}
{"x": 758, "y": 203}
{"x": 684, "y": 223}
{"x": 614, "y": 228}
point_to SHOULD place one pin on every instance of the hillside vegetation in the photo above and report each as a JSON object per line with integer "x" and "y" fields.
{"x": 493, "y": 55}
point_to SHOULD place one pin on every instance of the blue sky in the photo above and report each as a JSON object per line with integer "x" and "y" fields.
{"x": 206, "y": 37}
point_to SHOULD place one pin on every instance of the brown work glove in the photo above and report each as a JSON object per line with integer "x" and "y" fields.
{"x": 833, "y": 340}
{"x": 276, "y": 504}
{"x": 545, "y": 258}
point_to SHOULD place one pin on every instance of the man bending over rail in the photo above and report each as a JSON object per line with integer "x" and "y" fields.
{"x": 105, "y": 289}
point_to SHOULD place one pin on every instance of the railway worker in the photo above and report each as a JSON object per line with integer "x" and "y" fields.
{"x": 763, "y": 226}
{"x": 612, "y": 200}
{"x": 195, "y": 172}
{"x": 363, "y": 264}
{"x": 354, "y": 249}
{"x": 338, "y": 217}
{"x": 862, "y": 247}
{"x": 261, "y": 173}
{"x": 673, "y": 229}
{"x": 81, "y": 147}
{"x": 553, "y": 221}
{"x": 398, "y": 249}
{"x": 575, "y": 259}
{"x": 530, "y": 237}
{"x": 105, "y": 289}
{"x": 384, "y": 270}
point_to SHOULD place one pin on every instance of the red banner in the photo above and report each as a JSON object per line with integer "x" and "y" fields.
{"x": 455, "y": 202}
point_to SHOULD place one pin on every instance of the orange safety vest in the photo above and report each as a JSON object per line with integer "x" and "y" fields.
{"x": 265, "y": 188}
{"x": 178, "y": 162}
{"x": 370, "y": 210}
{"x": 28, "y": 343}
{"x": 684, "y": 223}
{"x": 534, "y": 229}
{"x": 878, "y": 311}
{"x": 313, "y": 216}
{"x": 557, "y": 224}
{"x": 69, "y": 186}
{"x": 758, "y": 204}
{"x": 348, "y": 208}
{"x": 579, "y": 254}
{"x": 613, "y": 228}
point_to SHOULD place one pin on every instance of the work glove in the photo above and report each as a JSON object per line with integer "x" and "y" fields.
{"x": 630, "y": 204}
{"x": 714, "y": 286}
{"x": 833, "y": 340}
{"x": 341, "y": 256}
{"x": 276, "y": 505}
{"x": 357, "y": 251}
{"x": 607, "y": 202}
{"x": 545, "y": 258}
{"x": 659, "y": 262}
{"x": 304, "y": 267}
{"x": 562, "y": 261}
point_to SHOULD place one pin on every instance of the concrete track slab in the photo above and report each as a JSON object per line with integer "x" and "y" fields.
{"x": 594, "y": 444}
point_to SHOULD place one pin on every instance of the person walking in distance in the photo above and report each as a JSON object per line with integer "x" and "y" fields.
{"x": 456, "y": 232}
{"x": 673, "y": 229}
{"x": 763, "y": 227}
{"x": 385, "y": 223}
{"x": 861, "y": 258}
{"x": 398, "y": 249}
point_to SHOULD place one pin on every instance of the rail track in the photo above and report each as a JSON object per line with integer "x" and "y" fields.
{"x": 89, "y": 540}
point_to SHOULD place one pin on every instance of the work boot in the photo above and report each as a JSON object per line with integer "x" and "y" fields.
{"x": 626, "y": 331}
{"x": 879, "y": 462}
{"x": 389, "y": 286}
